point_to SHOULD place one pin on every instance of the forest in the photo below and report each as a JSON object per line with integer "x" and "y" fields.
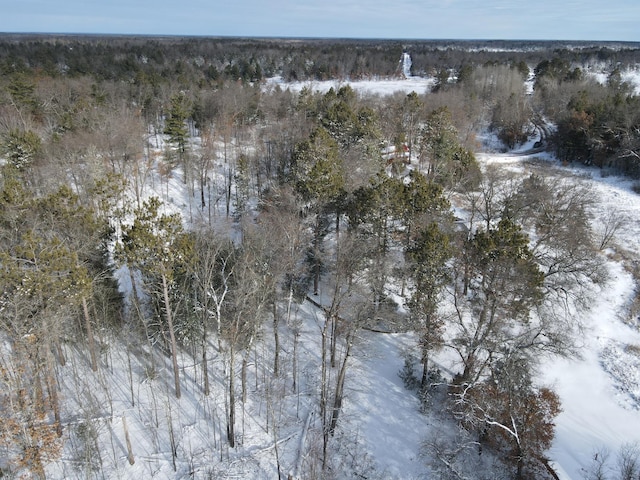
{"x": 192, "y": 258}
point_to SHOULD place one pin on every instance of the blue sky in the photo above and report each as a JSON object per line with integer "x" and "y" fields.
{"x": 420, "y": 19}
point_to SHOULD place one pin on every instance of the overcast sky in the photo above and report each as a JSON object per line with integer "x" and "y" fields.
{"x": 417, "y": 19}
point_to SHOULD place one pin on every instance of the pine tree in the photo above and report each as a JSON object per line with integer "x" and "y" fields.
{"x": 318, "y": 177}
{"x": 157, "y": 245}
{"x": 507, "y": 284}
{"x": 427, "y": 257}
{"x": 176, "y": 129}
{"x": 21, "y": 147}
{"x": 175, "y": 125}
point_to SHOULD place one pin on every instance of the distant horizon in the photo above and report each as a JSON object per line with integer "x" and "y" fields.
{"x": 315, "y": 38}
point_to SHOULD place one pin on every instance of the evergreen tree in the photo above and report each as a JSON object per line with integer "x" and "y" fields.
{"x": 427, "y": 258}
{"x": 319, "y": 179}
{"x": 506, "y": 284}
{"x": 448, "y": 162}
{"x": 176, "y": 128}
{"x": 21, "y": 147}
{"x": 157, "y": 245}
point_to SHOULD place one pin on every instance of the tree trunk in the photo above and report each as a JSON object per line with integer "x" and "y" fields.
{"x": 519, "y": 464}
{"x": 425, "y": 354}
{"x": 276, "y": 340}
{"x": 289, "y": 302}
{"x": 425, "y": 369}
{"x": 134, "y": 292}
{"x": 231, "y": 419}
{"x": 172, "y": 335}
{"x": 90, "y": 340}
{"x": 61, "y": 358}
{"x": 52, "y": 389}
{"x": 317, "y": 240}
{"x": 295, "y": 361}
{"x": 323, "y": 396}
{"x": 243, "y": 379}
{"x": 205, "y": 363}
{"x": 133, "y": 398}
{"x": 130, "y": 456}
{"x": 202, "y": 198}
{"x": 337, "y": 401}
{"x": 229, "y": 193}
{"x": 334, "y": 339}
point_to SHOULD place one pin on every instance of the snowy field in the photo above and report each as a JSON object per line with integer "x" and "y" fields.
{"x": 421, "y": 85}
{"x": 407, "y": 83}
{"x": 380, "y": 87}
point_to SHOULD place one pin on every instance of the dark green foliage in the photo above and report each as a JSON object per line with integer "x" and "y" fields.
{"x": 317, "y": 168}
{"x": 427, "y": 259}
{"x": 61, "y": 99}
{"x": 175, "y": 125}
{"x": 428, "y": 255}
{"x": 345, "y": 120}
{"x": 22, "y": 90}
{"x": 53, "y": 255}
{"x": 464, "y": 73}
{"x": 371, "y": 207}
{"x": 421, "y": 196}
{"x": 522, "y": 68}
{"x": 448, "y": 162}
{"x": 555, "y": 69}
{"x": 155, "y": 243}
{"x": 21, "y": 147}
{"x": 504, "y": 284}
{"x": 441, "y": 80}
{"x": 505, "y": 264}
{"x": 601, "y": 128}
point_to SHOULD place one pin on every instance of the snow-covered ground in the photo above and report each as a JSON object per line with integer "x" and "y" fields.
{"x": 381, "y": 423}
{"x": 422, "y": 85}
{"x": 629, "y": 75}
{"x": 380, "y": 87}
{"x": 600, "y": 390}
{"x": 406, "y": 83}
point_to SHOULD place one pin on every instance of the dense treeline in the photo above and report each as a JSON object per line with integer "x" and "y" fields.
{"x": 596, "y": 123}
{"x": 342, "y": 199}
{"x": 206, "y": 60}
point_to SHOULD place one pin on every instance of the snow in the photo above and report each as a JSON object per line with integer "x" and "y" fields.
{"x": 600, "y": 390}
{"x": 393, "y": 440}
{"x": 406, "y": 65}
{"x": 378, "y": 86}
{"x": 381, "y": 421}
{"x": 631, "y": 75}
{"x": 597, "y": 410}
{"x": 419, "y": 84}
{"x": 599, "y": 395}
